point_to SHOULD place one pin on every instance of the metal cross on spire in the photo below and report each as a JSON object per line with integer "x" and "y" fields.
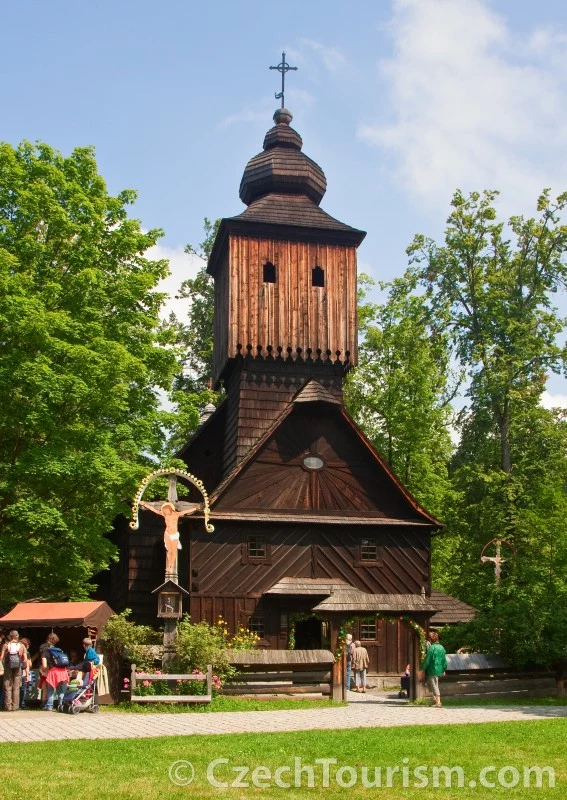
{"x": 283, "y": 68}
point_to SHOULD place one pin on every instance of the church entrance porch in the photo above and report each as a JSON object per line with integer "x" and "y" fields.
{"x": 312, "y": 633}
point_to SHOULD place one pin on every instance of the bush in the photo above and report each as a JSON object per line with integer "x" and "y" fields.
{"x": 139, "y": 643}
{"x": 199, "y": 644}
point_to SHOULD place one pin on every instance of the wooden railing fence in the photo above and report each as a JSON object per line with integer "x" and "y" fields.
{"x": 171, "y": 698}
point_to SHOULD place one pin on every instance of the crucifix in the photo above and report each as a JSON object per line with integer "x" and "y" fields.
{"x": 170, "y": 594}
{"x": 283, "y": 68}
{"x": 497, "y": 558}
{"x": 171, "y": 510}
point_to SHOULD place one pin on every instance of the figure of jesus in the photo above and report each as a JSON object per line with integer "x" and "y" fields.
{"x": 171, "y": 534}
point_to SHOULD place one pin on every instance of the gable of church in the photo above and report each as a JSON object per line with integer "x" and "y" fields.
{"x": 348, "y": 475}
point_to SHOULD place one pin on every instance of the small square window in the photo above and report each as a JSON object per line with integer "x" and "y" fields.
{"x": 368, "y": 631}
{"x": 269, "y": 272}
{"x": 317, "y": 276}
{"x": 368, "y": 550}
{"x": 256, "y": 625}
{"x": 256, "y": 547}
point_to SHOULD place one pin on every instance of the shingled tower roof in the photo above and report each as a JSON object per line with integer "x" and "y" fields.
{"x": 281, "y": 167}
{"x": 283, "y": 186}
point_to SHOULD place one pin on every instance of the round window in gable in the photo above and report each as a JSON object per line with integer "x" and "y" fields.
{"x": 313, "y": 462}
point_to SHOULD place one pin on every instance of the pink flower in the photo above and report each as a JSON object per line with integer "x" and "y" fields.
{"x": 157, "y": 672}
{"x": 147, "y": 683}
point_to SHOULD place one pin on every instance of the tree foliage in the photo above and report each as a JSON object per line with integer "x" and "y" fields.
{"x": 492, "y": 292}
{"x": 196, "y": 334}
{"x": 192, "y": 388}
{"x": 82, "y": 355}
{"x": 400, "y": 393}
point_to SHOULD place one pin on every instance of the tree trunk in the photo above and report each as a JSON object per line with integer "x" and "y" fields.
{"x": 504, "y": 427}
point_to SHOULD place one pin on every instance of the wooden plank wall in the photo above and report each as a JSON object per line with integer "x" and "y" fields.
{"x": 390, "y": 651}
{"x": 291, "y": 312}
{"x": 351, "y": 480}
{"x": 219, "y": 565}
{"x": 260, "y": 391}
{"x": 220, "y": 351}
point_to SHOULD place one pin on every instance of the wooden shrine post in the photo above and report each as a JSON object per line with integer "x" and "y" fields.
{"x": 338, "y": 672}
{"x": 417, "y": 688}
{"x": 170, "y": 594}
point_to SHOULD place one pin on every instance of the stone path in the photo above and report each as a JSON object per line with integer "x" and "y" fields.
{"x": 364, "y": 712}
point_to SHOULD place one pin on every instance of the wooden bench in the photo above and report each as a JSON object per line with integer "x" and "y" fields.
{"x": 171, "y": 698}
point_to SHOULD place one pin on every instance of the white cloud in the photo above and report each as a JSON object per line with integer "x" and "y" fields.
{"x": 549, "y": 400}
{"x": 299, "y": 99}
{"x": 182, "y": 266}
{"x": 246, "y": 115}
{"x": 475, "y": 106}
{"x": 331, "y": 57}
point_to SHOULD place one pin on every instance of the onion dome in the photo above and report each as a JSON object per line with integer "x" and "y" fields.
{"x": 281, "y": 167}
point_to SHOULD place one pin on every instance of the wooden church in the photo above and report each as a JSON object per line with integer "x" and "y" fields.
{"x": 312, "y": 528}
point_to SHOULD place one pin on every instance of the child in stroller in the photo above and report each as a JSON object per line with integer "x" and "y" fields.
{"x": 81, "y": 694}
{"x": 405, "y": 683}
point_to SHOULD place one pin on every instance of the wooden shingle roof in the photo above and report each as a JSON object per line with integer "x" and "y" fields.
{"x": 450, "y": 610}
{"x": 313, "y": 392}
{"x": 356, "y": 601}
{"x": 309, "y": 586}
{"x": 282, "y": 167}
{"x": 290, "y": 209}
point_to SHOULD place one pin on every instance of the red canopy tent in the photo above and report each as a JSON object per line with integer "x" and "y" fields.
{"x": 35, "y": 620}
{"x": 58, "y": 615}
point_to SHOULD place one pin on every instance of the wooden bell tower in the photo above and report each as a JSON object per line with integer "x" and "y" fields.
{"x": 285, "y": 289}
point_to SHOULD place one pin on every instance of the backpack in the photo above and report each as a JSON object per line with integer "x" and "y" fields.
{"x": 57, "y": 657}
{"x": 13, "y": 659}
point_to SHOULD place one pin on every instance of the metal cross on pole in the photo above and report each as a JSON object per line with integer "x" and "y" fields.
{"x": 283, "y": 68}
{"x": 497, "y": 558}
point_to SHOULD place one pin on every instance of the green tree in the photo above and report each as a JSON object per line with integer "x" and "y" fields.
{"x": 493, "y": 294}
{"x": 196, "y": 334}
{"x": 401, "y": 391}
{"x": 82, "y": 356}
{"x": 192, "y": 388}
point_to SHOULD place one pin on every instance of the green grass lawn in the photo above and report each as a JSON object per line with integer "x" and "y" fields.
{"x": 224, "y": 704}
{"x": 512, "y": 701}
{"x": 137, "y": 769}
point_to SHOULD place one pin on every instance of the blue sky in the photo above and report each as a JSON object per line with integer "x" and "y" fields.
{"x": 400, "y": 102}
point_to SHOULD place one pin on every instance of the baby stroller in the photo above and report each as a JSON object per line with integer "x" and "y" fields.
{"x": 405, "y": 683}
{"x": 83, "y": 697}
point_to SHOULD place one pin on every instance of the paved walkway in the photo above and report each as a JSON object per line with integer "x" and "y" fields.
{"x": 363, "y": 712}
